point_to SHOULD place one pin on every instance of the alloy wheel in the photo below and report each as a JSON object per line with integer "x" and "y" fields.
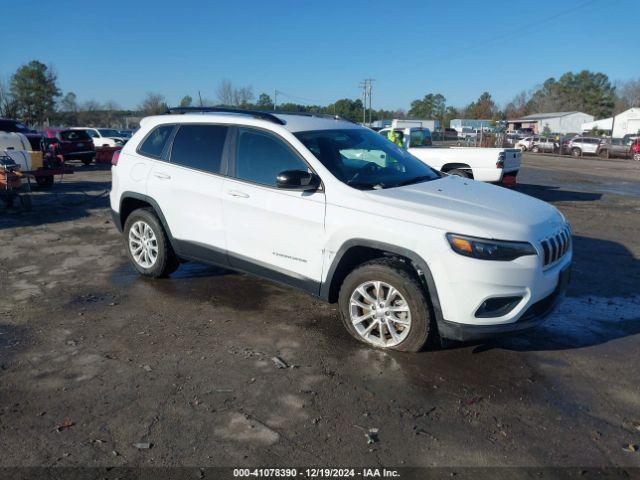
{"x": 380, "y": 314}
{"x": 143, "y": 244}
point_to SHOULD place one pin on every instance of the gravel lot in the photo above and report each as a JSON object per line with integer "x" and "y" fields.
{"x": 185, "y": 364}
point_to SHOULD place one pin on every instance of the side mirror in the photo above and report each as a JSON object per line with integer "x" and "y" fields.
{"x": 297, "y": 180}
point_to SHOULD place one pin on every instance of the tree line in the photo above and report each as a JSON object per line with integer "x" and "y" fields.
{"x": 32, "y": 94}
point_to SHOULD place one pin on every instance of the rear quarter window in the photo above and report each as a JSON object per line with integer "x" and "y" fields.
{"x": 154, "y": 144}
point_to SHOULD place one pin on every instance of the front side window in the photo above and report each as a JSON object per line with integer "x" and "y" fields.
{"x": 365, "y": 160}
{"x": 154, "y": 144}
{"x": 199, "y": 147}
{"x": 260, "y": 157}
{"x": 93, "y": 133}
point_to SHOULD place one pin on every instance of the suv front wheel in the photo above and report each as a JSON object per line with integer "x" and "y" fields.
{"x": 147, "y": 245}
{"x": 383, "y": 304}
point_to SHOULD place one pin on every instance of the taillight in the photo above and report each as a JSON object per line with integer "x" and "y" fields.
{"x": 115, "y": 158}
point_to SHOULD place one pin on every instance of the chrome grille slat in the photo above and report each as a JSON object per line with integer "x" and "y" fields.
{"x": 556, "y": 246}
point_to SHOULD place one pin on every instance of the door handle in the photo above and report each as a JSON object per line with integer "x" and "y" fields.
{"x": 162, "y": 176}
{"x": 236, "y": 193}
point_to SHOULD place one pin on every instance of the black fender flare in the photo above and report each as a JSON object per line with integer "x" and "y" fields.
{"x": 154, "y": 205}
{"x": 418, "y": 262}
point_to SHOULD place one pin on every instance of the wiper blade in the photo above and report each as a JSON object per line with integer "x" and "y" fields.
{"x": 422, "y": 178}
{"x": 366, "y": 185}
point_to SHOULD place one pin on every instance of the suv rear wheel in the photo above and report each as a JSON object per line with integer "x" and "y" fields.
{"x": 383, "y": 304}
{"x": 147, "y": 245}
{"x": 576, "y": 152}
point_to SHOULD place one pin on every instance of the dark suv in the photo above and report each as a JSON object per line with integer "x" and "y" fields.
{"x": 14, "y": 126}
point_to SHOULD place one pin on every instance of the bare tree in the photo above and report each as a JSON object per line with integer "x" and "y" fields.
{"x": 153, "y": 104}
{"x": 628, "y": 95}
{"x": 8, "y": 105}
{"x": 225, "y": 93}
{"x": 232, "y": 96}
{"x": 517, "y": 107}
{"x": 242, "y": 95}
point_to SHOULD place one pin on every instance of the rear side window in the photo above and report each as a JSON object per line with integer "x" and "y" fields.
{"x": 199, "y": 147}
{"x": 72, "y": 135}
{"x": 155, "y": 141}
{"x": 261, "y": 157}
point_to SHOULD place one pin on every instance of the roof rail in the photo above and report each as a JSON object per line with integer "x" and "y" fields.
{"x": 316, "y": 114}
{"x": 254, "y": 113}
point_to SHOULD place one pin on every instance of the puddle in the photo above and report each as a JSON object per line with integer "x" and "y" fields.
{"x": 582, "y": 321}
{"x": 195, "y": 281}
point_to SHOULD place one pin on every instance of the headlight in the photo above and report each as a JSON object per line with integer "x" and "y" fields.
{"x": 486, "y": 249}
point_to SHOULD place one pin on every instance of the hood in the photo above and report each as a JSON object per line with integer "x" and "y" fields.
{"x": 469, "y": 207}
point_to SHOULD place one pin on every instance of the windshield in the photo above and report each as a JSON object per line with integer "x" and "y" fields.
{"x": 107, "y": 132}
{"x": 364, "y": 159}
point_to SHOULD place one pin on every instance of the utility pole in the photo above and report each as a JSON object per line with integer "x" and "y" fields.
{"x": 366, "y": 97}
{"x": 275, "y": 100}
{"x": 370, "y": 80}
{"x": 200, "y": 97}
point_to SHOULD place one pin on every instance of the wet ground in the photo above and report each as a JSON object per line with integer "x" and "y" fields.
{"x": 94, "y": 359}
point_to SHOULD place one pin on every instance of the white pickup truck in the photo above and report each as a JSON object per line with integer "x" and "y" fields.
{"x": 494, "y": 165}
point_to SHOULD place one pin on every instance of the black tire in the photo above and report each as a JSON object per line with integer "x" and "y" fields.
{"x": 535, "y": 149}
{"x": 166, "y": 262}
{"x": 405, "y": 280}
{"x": 87, "y": 161}
{"x": 636, "y": 157}
{"x": 44, "y": 182}
{"x": 576, "y": 152}
{"x": 459, "y": 173}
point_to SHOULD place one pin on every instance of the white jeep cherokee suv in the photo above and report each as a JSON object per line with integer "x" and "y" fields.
{"x": 325, "y": 205}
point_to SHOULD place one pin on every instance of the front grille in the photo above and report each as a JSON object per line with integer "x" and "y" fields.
{"x": 556, "y": 246}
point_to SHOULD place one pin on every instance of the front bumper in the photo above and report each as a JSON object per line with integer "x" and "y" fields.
{"x": 534, "y": 315}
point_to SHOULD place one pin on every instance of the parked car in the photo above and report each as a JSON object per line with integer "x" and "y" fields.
{"x": 125, "y": 134}
{"x": 635, "y": 150}
{"x": 337, "y": 210}
{"x": 104, "y": 137}
{"x": 526, "y": 143}
{"x": 580, "y": 146}
{"x": 615, "y": 147}
{"x": 14, "y": 126}
{"x": 75, "y": 145}
{"x": 545, "y": 144}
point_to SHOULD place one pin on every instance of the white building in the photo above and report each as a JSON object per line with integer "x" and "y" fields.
{"x": 627, "y": 122}
{"x": 605, "y": 124}
{"x": 555, "y": 122}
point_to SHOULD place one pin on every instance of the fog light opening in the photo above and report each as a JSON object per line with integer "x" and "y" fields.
{"x": 497, "y": 306}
